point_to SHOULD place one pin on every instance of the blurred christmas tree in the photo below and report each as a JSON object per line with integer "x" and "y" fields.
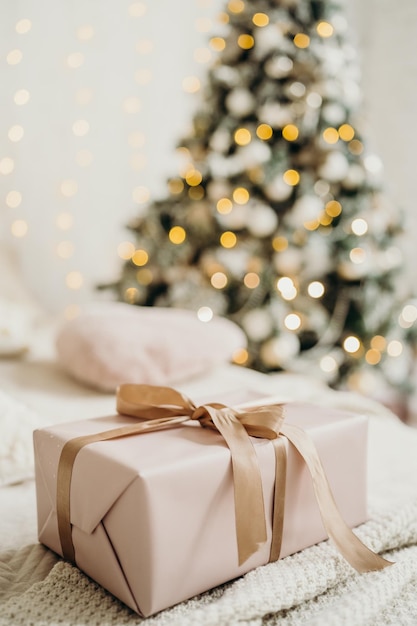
{"x": 276, "y": 219}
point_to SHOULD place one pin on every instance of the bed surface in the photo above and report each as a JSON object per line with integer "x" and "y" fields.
{"x": 313, "y": 586}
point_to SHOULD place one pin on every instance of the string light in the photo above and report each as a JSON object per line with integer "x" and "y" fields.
{"x": 15, "y": 133}
{"x": 355, "y": 147}
{"x": 21, "y": 97}
{"x": 65, "y": 249}
{"x": 6, "y": 166}
{"x": 279, "y": 243}
{"x": 240, "y": 357}
{"x": 126, "y": 250}
{"x": 144, "y": 276}
{"x": 351, "y": 344}
{"x": 143, "y": 76}
{"x": 409, "y": 313}
{"x": 191, "y": 84}
{"x": 357, "y": 255}
{"x": 85, "y": 33}
{"x": 193, "y": 177}
{"x": 205, "y": 314}
{"x": 69, "y": 188}
{"x": 202, "y": 55}
{"x": 219, "y": 280}
{"x": 13, "y": 199}
{"x": 74, "y": 280}
{"x": 378, "y": 342}
{"x": 359, "y": 226}
{"x": 324, "y": 29}
{"x": 301, "y": 40}
{"x": 242, "y": 136}
{"x": 75, "y": 60}
{"x": 346, "y": 132}
{"x": 291, "y": 177}
{"x": 373, "y": 356}
{"x": 64, "y": 221}
{"x": 80, "y": 128}
{"x": 333, "y": 208}
{"x": 131, "y": 295}
{"x": 140, "y": 257}
{"x": 131, "y": 105}
{"x": 328, "y": 364}
{"x": 19, "y": 228}
{"x": 196, "y": 193}
{"x": 241, "y": 195}
{"x": 224, "y": 206}
{"x": 141, "y": 194}
{"x": 251, "y": 280}
{"x": 23, "y": 26}
{"x": 236, "y": 6}
{"x": 315, "y": 289}
{"x": 228, "y": 239}
{"x": 260, "y": 19}
{"x": 14, "y": 57}
{"x": 286, "y": 287}
{"x": 217, "y": 44}
{"x": 330, "y": 135}
{"x": 177, "y": 235}
{"x": 175, "y": 186}
{"x": 246, "y": 42}
{"x": 137, "y": 9}
{"x": 394, "y": 348}
{"x": 292, "y": 321}
{"x": 264, "y": 131}
{"x": 290, "y": 132}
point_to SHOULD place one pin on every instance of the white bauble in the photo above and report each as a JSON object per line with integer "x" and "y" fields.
{"x": 220, "y": 140}
{"x": 236, "y": 219}
{"x": 261, "y": 220}
{"x": 255, "y": 153}
{"x": 235, "y": 260}
{"x": 240, "y": 102}
{"x": 355, "y": 177}
{"x": 278, "y": 190}
{"x": 268, "y": 39}
{"x": 389, "y": 259}
{"x": 352, "y": 94}
{"x": 228, "y": 75}
{"x": 305, "y": 209}
{"x": 217, "y": 189}
{"x": 275, "y": 115}
{"x": 257, "y": 324}
{"x": 317, "y": 261}
{"x": 278, "y": 66}
{"x": 335, "y": 167}
{"x": 223, "y": 166}
{"x": 279, "y": 351}
{"x": 334, "y": 113}
{"x": 288, "y": 262}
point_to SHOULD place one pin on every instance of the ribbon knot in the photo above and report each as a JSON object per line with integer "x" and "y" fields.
{"x": 163, "y": 407}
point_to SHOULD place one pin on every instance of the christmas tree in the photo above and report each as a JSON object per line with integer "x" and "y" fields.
{"x": 276, "y": 219}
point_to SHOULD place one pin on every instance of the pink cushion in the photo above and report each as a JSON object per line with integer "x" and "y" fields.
{"x": 113, "y": 343}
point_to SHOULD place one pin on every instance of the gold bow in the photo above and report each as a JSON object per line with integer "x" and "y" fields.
{"x": 163, "y": 407}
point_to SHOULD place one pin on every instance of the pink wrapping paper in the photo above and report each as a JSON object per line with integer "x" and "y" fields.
{"x": 153, "y": 515}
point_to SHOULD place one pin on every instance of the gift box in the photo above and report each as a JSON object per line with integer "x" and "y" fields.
{"x": 157, "y": 517}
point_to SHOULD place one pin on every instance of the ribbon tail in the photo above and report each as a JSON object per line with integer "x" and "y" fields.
{"x": 248, "y": 494}
{"x": 353, "y": 550}
{"x": 279, "y": 497}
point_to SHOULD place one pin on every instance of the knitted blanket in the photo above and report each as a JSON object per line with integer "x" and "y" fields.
{"x": 315, "y": 587}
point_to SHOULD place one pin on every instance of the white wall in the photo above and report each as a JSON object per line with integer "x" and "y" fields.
{"x": 127, "y": 90}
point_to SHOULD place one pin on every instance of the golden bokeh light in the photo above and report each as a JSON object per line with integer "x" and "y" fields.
{"x": 260, "y": 19}
{"x": 177, "y": 235}
{"x": 245, "y": 41}
{"x": 324, "y": 29}
{"x": 346, "y": 132}
{"x": 140, "y": 257}
{"x": 330, "y": 135}
{"x": 241, "y": 195}
{"x": 301, "y": 40}
{"x": 219, "y": 280}
{"x": 224, "y": 206}
{"x": 228, "y": 239}
{"x": 264, "y": 131}
{"x": 251, "y": 280}
{"x": 333, "y": 208}
{"x": 126, "y": 250}
{"x": 290, "y": 132}
{"x": 242, "y": 136}
{"x": 291, "y": 177}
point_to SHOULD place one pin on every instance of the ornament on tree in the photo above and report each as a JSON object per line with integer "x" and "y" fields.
{"x": 276, "y": 219}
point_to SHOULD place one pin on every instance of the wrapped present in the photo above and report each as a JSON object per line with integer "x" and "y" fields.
{"x": 182, "y": 498}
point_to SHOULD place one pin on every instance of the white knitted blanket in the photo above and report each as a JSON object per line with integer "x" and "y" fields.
{"x": 315, "y": 587}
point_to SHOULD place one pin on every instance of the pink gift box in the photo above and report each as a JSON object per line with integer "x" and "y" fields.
{"x": 153, "y": 514}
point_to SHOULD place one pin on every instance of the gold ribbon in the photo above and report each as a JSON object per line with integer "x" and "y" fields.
{"x": 163, "y": 407}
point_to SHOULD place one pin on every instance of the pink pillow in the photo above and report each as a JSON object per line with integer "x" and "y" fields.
{"x": 113, "y": 343}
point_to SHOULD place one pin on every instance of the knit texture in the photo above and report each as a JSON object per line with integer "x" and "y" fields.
{"x": 314, "y": 587}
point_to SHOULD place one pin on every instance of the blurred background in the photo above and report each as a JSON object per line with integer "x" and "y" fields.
{"x": 94, "y": 97}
